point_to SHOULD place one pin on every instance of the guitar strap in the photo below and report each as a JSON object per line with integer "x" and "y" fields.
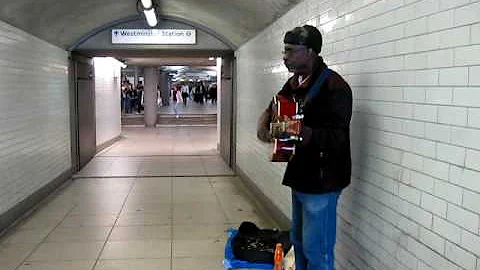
{"x": 315, "y": 89}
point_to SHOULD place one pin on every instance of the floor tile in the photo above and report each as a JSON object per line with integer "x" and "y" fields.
{"x": 26, "y": 236}
{"x": 60, "y": 265}
{"x": 141, "y": 233}
{"x": 66, "y": 251}
{"x": 46, "y": 222}
{"x": 142, "y": 219}
{"x": 14, "y": 254}
{"x": 134, "y": 264}
{"x": 199, "y": 263}
{"x": 163, "y": 209}
{"x": 88, "y": 221}
{"x": 83, "y": 234}
{"x": 195, "y": 213}
{"x": 199, "y": 232}
{"x": 147, "y": 249}
{"x": 149, "y": 197}
{"x": 197, "y": 248}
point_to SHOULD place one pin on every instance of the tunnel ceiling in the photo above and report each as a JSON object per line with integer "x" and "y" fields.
{"x": 63, "y": 22}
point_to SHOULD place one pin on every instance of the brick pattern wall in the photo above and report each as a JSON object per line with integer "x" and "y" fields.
{"x": 107, "y": 99}
{"x": 414, "y": 67}
{"x": 34, "y": 115}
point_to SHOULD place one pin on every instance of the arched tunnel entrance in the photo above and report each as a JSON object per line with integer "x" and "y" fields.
{"x": 142, "y": 85}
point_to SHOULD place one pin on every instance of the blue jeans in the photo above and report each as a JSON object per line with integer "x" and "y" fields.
{"x": 313, "y": 233}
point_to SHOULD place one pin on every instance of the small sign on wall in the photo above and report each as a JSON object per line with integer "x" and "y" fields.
{"x": 153, "y": 36}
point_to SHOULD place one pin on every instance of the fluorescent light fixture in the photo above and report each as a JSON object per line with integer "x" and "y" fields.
{"x": 147, "y": 4}
{"x": 151, "y": 17}
{"x": 211, "y": 58}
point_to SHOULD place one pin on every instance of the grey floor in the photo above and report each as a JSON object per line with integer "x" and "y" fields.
{"x": 157, "y": 199}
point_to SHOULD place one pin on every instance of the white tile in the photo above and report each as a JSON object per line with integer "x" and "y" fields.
{"x": 416, "y": 27}
{"x": 426, "y": 77}
{"x": 463, "y": 218}
{"x": 426, "y": 7}
{"x": 412, "y": 161}
{"x": 466, "y": 96}
{"x": 408, "y": 226}
{"x": 471, "y": 242}
{"x": 470, "y": 201}
{"x": 414, "y": 94}
{"x": 465, "y": 178}
{"x": 467, "y": 14}
{"x": 469, "y": 55}
{"x": 448, "y": 192}
{"x": 440, "y": 95}
{"x": 454, "y": 76}
{"x": 472, "y": 159}
{"x": 475, "y": 33}
{"x": 410, "y": 194}
{"x": 407, "y": 259}
{"x": 474, "y": 74}
{"x": 426, "y": 42}
{"x": 446, "y": 4}
{"x": 439, "y": 59}
{"x": 423, "y": 266}
{"x": 434, "y": 204}
{"x": 455, "y": 37}
{"x": 416, "y": 61}
{"x": 434, "y": 241}
{"x": 414, "y": 128}
{"x": 440, "y": 20}
{"x": 466, "y": 137}
{"x": 405, "y": 46}
{"x": 451, "y": 154}
{"x": 452, "y": 115}
{"x": 437, "y": 132}
{"x": 460, "y": 256}
{"x": 436, "y": 168}
{"x": 447, "y": 229}
{"x": 425, "y": 113}
{"x": 420, "y": 216}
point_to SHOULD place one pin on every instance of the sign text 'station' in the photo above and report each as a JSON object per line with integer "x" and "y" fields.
{"x": 153, "y": 36}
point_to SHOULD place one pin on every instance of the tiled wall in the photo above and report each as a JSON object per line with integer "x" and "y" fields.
{"x": 107, "y": 99}
{"x": 414, "y": 67}
{"x": 34, "y": 115}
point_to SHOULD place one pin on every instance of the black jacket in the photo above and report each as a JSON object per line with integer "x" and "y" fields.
{"x": 324, "y": 164}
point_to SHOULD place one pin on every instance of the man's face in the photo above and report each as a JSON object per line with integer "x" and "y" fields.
{"x": 296, "y": 57}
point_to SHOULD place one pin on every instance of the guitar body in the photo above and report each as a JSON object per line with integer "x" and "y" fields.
{"x": 285, "y": 133}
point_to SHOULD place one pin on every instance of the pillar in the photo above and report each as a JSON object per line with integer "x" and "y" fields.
{"x": 164, "y": 89}
{"x": 150, "y": 96}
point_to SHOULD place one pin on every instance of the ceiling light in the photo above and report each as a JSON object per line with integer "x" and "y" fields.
{"x": 211, "y": 58}
{"x": 147, "y": 4}
{"x": 151, "y": 17}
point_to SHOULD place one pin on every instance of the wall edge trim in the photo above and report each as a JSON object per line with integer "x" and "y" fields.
{"x": 29, "y": 205}
{"x": 265, "y": 204}
{"x": 108, "y": 143}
